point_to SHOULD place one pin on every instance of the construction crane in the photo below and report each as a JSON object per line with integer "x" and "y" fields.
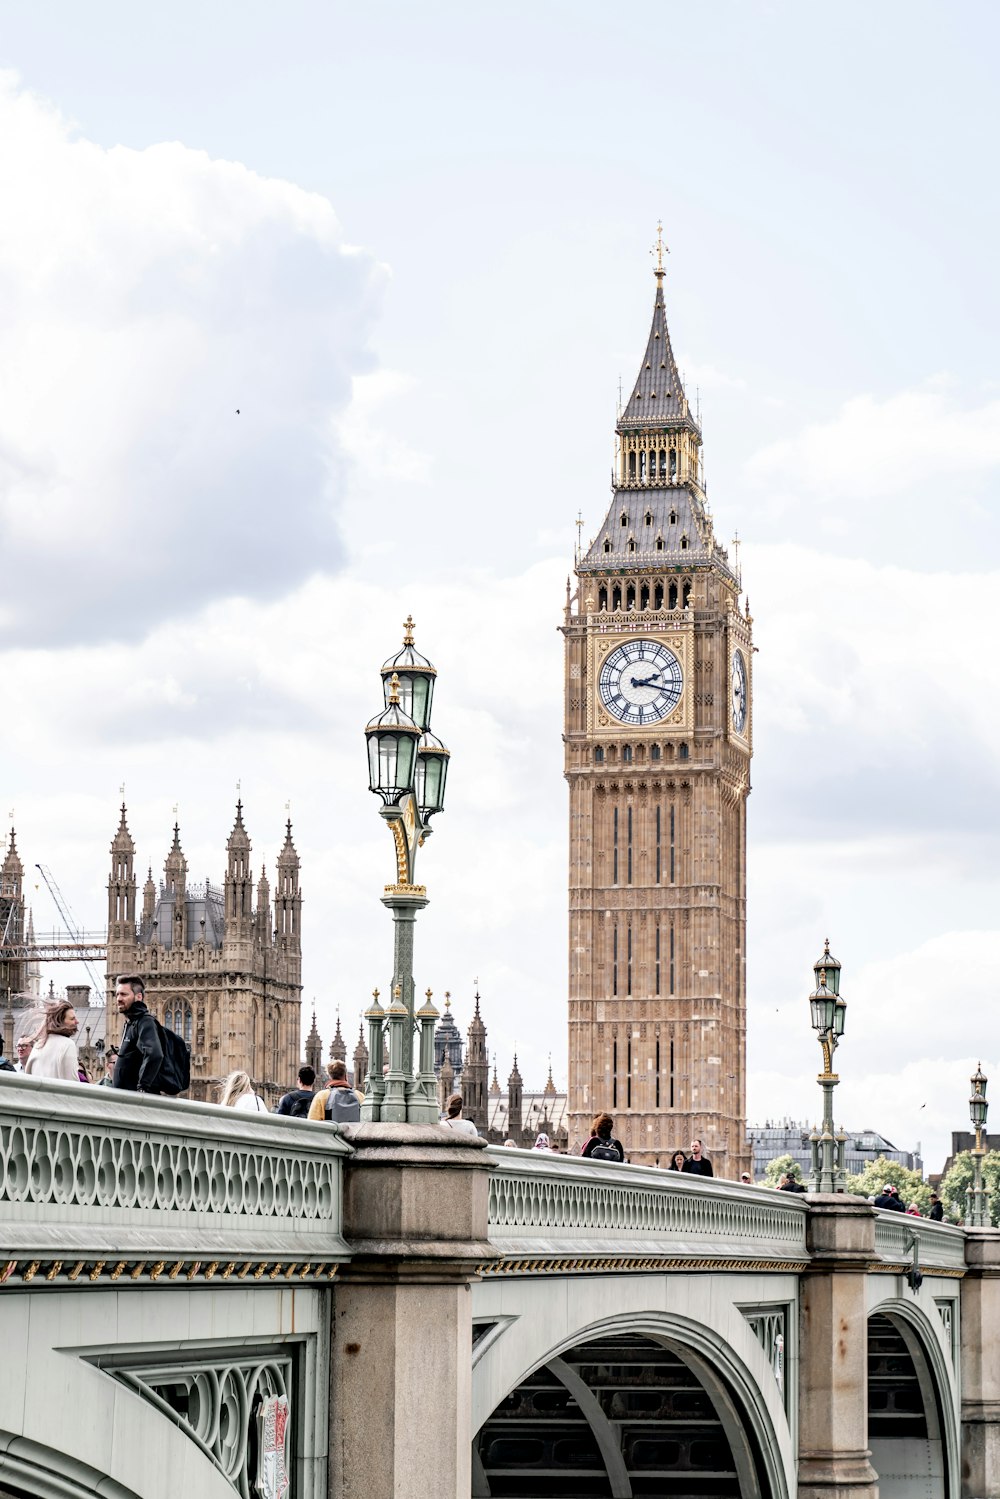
{"x": 70, "y": 923}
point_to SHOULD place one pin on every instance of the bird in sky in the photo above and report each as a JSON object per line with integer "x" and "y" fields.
{"x": 237, "y": 411}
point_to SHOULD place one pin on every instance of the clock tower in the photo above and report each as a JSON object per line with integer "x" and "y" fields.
{"x": 658, "y": 738}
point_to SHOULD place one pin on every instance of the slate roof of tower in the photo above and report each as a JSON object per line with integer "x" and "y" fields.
{"x": 660, "y": 503}
{"x": 658, "y": 395}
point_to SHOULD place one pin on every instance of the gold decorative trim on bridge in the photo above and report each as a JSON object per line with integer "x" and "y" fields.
{"x": 70, "y": 1271}
{"x": 614, "y": 1264}
{"x": 946, "y": 1272}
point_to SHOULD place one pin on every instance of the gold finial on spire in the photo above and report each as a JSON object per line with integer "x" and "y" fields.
{"x": 394, "y": 690}
{"x": 408, "y": 630}
{"x": 660, "y": 250}
{"x": 447, "y": 999}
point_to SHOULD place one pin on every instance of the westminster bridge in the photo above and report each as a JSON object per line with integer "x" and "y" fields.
{"x": 434, "y": 1319}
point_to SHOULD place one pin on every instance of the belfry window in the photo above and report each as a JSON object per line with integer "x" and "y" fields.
{"x": 630, "y": 596}
{"x": 687, "y": 594}
{"x": 607, "y": 545}
{"x": 644, "y": 596}
{"x": 658, "y": 596}
{"x": 663, "y": 463}
{"x": 616, "y": 596}
{"x": 631, "y": 468}
{"x": 642, "y": 467}
{"x": 672, "y": 597}
{"x": 673, "y": 463}
{"x": 602, "y": 596}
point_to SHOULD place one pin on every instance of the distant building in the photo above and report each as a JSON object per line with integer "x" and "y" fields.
{"x": 785, "y": 1137}
{"x": 962, "y": 1140}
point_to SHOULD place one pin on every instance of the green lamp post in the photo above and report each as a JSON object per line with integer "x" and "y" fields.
{"x": 828, "y": 1011}
{"x": 407, "y": 769}
{"x": 977, "y": 1214}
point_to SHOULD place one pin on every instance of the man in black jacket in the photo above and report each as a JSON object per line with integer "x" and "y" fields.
{"x": 889, "y": 1198}
{"x": 140, "y": 1056}
{"x": 297, "y": 1103}
{"x": 696, "y": 1163}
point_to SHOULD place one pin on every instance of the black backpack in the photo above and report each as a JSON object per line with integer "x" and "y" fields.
{"x": 175, "y": 1073}
{"x": 343, "y": 1106}
{"x": 605, "y": 1151}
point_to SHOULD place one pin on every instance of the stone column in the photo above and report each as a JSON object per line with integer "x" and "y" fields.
{"x": 980, "y": 1318}
{"x": 833, "y": 1352}
{"x": 416, "y": 1203}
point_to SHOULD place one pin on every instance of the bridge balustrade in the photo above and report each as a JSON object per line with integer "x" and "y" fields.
{"x": 97, "y": 1185}
{"x": 558, "y": 1213}
{"x": 940, "y": 1246}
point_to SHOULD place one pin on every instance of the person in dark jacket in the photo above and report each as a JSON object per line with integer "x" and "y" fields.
{"x": 140, "y": 1055}
{"x": 936, "y": 1214}
{"x": 602, "y": 1145}
{"x": 888, "y": 1198}
{"x": 696, "y": 1163}
{"x": 788, "y": 1183}
{"x": 297, "y": 1102}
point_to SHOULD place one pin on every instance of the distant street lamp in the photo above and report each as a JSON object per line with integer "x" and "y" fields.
{"x": 407, "y": 768}
{"x": 828, "y": 1011}
{"x": 977, "y": 1214}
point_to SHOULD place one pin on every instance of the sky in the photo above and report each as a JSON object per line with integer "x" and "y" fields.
{"x": 410, "y": 248}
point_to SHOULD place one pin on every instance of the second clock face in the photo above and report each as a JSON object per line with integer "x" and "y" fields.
{"x": 640, "y": 682}
{"x": 739, "y": 692}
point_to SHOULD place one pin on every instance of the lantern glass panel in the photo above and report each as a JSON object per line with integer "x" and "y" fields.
{"x": 416, "y": 689}
{"x": 818, "y": 1009}
{"x": 839, "y": 1016}
{"x": 429, "y": 780}
{"x": 978, "y": 1108}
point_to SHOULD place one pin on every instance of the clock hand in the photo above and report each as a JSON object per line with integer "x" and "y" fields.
{"x": 646, "y": 680}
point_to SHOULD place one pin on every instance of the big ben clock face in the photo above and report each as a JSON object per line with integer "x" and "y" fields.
{"x": 739, "y": 692}
{"x": 640, "y": 682}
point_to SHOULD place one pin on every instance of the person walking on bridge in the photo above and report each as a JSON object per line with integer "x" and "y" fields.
{"x": 696, "y": 1163}
{"x": 140, "y": 1055}
{"x": 602, "y": 1145}
{"x": 54, "y": 1051}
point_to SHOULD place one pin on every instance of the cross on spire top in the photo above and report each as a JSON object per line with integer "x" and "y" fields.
{"x": 659, "y": 250}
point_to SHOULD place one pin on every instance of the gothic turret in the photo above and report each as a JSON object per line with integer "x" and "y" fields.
{"x": 314, "y": 1048}
{"x": 148, "y": 904}
{"x": 262, "y": 915}
{"x": 515, "y": 1096}
{"x": 121, "y": 884}
{"x": 475, "y": 1072}
{"x": 288, "y": 904}
{"x": 12, "y": 870}
{"x": 172, "y": 930}
{"x": 338, "y": 1047}
{"x": 239, "y": 881}
{"x": 448, "y": 1043}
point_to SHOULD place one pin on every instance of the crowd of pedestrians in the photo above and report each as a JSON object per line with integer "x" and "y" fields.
{"x": 138, "y": 1063}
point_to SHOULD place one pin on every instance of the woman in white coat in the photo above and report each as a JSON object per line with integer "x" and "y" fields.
{"x": 54, "y": 1051}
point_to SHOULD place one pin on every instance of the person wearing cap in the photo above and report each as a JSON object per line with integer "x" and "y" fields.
{"x": 889, "y": 1198}
{"x": 746, "y": 1178}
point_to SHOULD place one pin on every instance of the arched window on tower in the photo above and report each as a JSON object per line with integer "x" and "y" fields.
{"x": 659, "y": 543}
{"x": 658, "y": 596}
{"x": 631, "y": 543}
{"x": 682, "y": 752}
{"x": 649, "y": 517}
{"x": 663, "y": 463}
{"x": 623, "y": 518}
{"x": 602, "y": 598}
{"x": 673, "y": 517}
{"x": 672, "y": 597}
{"x": 598, "y": 755}
{"x": 673, "y": 463}
{"x": 626, "y": 754}
{"x": 684, "y": 543}
{"x": 616, "y": 596}
{"x": 607, "y": 544}
{"x": 631, "y": 468}
{"x": 654, "y": 752}
{"x": 178, "y": 1017}
{"x": 644, "y": 596}
{"x": 630, "y": 596}
{"x": 642, "y": 467}
{"x": 687, "y": 594}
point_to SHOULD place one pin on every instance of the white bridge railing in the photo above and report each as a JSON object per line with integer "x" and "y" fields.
{"x": 940, "y": 1246}
{"x": 553, "y": 1211}
{"x": 104, "y": 1184}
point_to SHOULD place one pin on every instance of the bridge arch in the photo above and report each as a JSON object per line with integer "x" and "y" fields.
{"x": 913, "y": 1416}
{"x": 628, "y": 1400}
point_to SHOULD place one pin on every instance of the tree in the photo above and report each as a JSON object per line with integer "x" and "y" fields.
{"x": 959, "y": 1179}
{"x": 776, "y": 1169}
{"x": 910, "y": 1184}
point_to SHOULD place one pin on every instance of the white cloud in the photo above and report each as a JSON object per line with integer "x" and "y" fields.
{"x": 367, "y": 435}
{"x": 146, "y": 296}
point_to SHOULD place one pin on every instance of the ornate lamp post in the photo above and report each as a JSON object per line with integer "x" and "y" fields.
{"x": 828, "y": 1011}
{"x": 977, "y": 1214}
{"x": 407, "y": 768}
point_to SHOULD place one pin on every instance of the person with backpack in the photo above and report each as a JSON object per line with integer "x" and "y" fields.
{"x": 297, "y": 1103}
{"x": 602, "y": 1145}
{"x": 140, "y": 1056}
{"x": 337, "y": 1104}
